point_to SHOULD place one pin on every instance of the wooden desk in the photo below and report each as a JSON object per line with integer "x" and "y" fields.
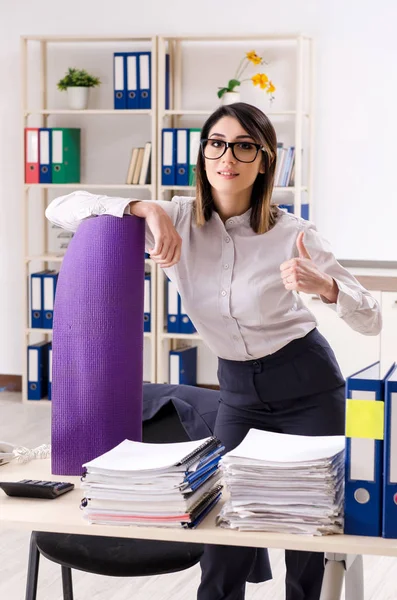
{"x": 63, "y": 515}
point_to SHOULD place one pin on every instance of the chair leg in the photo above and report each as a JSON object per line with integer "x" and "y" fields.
{"x": 67, "y": 585}
{"x": 33, "y": 569}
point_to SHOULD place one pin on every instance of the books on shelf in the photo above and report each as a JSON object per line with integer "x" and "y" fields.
{"x": 139, "y": 167}
{"x": 165, "y": 485}
{"x": 285, "y": 166}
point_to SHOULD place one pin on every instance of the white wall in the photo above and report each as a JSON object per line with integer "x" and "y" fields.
{"x": 355, "y": 84}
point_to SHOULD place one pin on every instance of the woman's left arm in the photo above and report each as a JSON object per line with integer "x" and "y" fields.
{"x": 315, "y": 270}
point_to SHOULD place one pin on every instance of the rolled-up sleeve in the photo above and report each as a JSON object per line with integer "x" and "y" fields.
{"x": 69, "y": 211}
{"x": 354, "y": 305}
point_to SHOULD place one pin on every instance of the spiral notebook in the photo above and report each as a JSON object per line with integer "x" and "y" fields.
{"x": 131, "y": 457}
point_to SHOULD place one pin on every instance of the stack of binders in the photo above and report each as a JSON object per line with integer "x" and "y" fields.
{"x": 180, "y": 148}
{"x": 165, "y": 485}
{"x": 371, "y": 453}
{"x": 285, "y": 484}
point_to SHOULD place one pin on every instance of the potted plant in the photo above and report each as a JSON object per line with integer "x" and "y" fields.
{"x": 77, "y": 83}
{"x": 229, "y": 93}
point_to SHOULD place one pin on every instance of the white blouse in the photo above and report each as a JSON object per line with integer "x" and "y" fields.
{"x": 229, "y": 276}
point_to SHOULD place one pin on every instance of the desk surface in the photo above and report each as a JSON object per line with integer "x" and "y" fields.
{"x": 63, "y": 515}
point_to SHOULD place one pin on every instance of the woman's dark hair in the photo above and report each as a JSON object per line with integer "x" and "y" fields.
{"x": 258, "y": 126}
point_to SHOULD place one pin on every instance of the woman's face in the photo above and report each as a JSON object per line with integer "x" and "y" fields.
{"x": 227, "y": 174}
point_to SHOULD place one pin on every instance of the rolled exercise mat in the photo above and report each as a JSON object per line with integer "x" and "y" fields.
{"x": 98, "y": 342}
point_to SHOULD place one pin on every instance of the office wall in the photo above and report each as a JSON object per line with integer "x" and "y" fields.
{"x": 355, "y": 85}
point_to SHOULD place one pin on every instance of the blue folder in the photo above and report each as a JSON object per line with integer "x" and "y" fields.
{"x": 120, "y": 80}
{"x": 45, "y": 152}
{"x": 168, "y": 157}
{"x": 389, "y": 520}
{"x": 38, "y": 370}
{"x": 364, "y": 452}
{"x": 147, "y": 303}
{"x": 183, "y": 366}
{"x": 145, "y": 78}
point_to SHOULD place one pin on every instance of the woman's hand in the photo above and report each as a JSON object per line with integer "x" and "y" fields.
{"x": 167, "y": 242}
{"x": 302, "y": 275}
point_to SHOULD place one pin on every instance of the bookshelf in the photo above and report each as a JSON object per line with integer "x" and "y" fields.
{"x": 41, "y": 106}
{"x": 290, "y": 59}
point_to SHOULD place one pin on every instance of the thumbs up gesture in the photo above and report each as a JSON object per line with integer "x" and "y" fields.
{"x": 302, "y": 275}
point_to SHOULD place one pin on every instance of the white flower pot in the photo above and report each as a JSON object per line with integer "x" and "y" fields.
{"x": 78, "y": 97}
{"x": 230, "y": 97}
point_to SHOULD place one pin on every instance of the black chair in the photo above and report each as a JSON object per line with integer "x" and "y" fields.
{"x": 118, "y": 557}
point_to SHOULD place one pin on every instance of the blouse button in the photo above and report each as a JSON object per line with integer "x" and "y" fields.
{"x": 226, "y": 266}
{"x": 227, "y": 240}
{"x": 223, "y": 293}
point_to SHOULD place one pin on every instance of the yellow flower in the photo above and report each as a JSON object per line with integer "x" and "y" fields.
{"x": 253, "y": 57}
{"x": 271, "y": 88}
{"x": 260, "y": 79}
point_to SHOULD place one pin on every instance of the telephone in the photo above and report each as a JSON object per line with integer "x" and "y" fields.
{"x": 6, "y": 452}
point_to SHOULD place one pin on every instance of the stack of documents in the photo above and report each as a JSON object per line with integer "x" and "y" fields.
{"x": 166, "y": 485}
{"x": 285, "y": 484}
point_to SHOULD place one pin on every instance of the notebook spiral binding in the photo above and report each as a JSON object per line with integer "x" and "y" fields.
{"x": 191, "y": 458}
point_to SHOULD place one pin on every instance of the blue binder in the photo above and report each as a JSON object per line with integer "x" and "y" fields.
{"x": 120, "y": 80}
{"x": 183, "y": 366}
{"x": 168, "y": 157}
{"x": 185, "y": 324}
{"x": 36, "y": 299}
{"x": 132, "y": 80}
{"x": 49, "y": 394}
{"x": 147, "y": 304}
{"x": 182, "y": 157}
{"x": 389, "y": 520}
{"x": 45, "y": 153}
{"x": 50, "y": 279}
{"x": 172, "y": 308}
{"x": 145, "y": 78}
{"x": 38, "y": 370}
{"x": 364, "y": 452}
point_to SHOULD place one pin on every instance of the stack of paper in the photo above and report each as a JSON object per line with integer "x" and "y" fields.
{"x": 166, "y": 485}
{"x": 285, "y": 484}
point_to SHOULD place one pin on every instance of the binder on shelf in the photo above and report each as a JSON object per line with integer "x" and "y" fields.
{"x": 36, "y": 299}
{"x": 290, "y": 209}
{"x": 49, "y": 392}
{"x": 45, "y": 170}
{"x": 194, "y": 148}
{"x": 183, "y": 366}
{"x": 65, "y": 155}
{"x": 144, "y": 74}
{"x": 38, "y": 370}
{"x": 182, "y": 157}
{"x": 364, "y": 452}
{"x": 147, "y": 303}
{"x": 138, "y": 166}
{"x": 389, "y": 517}
{"x": 172, "y": 307}
{"x": 186, "y": 326}
{"x": 132, "y": 75}
{"x": 50, "y": 279}
{"x": 144, "y": 176}
{"x": 168, "y": 157}
{"x": 32, "y": 155}
{"x": 119, "y": 80}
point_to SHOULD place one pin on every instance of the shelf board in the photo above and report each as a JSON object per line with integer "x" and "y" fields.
{"x": 165, "y": 188}
{"x": 87, "y": 38}
{"x": 180, "y": 336}
{"x": 269, "y": 113}
{"x": 46, "y": 257}
{"x": 147, "y": 334}
{"x": 287, "y": 37}
{"x": 87, "y": 186}
{"x": 56, "y": 111}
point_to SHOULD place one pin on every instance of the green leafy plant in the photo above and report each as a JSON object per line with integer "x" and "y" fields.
{"x": 77, "y": 78}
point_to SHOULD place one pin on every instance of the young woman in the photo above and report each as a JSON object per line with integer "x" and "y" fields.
{"x": 239, "y": 262}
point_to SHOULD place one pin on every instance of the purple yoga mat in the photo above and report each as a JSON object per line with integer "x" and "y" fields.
{"x": 98, "y": 342}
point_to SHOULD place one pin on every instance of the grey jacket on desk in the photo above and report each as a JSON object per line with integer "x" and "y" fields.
{"x": 196, "y": 407}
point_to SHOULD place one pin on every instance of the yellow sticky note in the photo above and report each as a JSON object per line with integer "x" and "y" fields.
{"x": 365, "y": 419}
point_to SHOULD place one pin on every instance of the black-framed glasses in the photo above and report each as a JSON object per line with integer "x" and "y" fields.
{"x": 245, "y": 152}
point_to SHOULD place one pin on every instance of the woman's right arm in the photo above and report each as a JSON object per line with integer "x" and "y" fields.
{"x": 162, "y": 240}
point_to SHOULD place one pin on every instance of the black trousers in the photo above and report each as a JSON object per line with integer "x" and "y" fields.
{"x": 297, "y": 390}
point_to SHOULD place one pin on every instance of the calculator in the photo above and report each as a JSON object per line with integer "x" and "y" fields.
{"x": 34, "y": 488}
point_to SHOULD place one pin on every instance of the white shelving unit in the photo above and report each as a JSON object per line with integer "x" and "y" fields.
{"x": 41, "y": 46}
{"x": 298, "y": 115}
